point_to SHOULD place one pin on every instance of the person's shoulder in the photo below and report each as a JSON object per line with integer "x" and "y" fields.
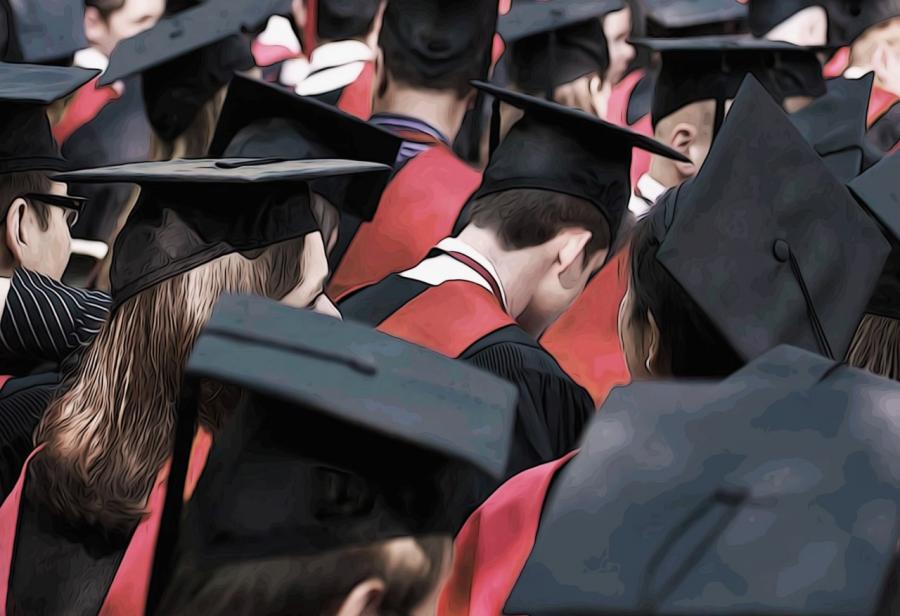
{"x": 519, "y": 349}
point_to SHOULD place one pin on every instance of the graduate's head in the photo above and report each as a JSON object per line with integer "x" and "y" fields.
{"x": 106, "y": 22}
{"x": 35, "y": 212}
{"x": 336, "y": 486}
{"x": 698, "y": 80}
{"x": 183, "y": 246}
{"x": 763, "y": 247}
{"x": 37, "y": 216}
{"x": 556, "y": 188}
{"x": 185, "y": 63}
{"x": 394, "y": 577}
{"x": 435, "y": 46}
{"x": 559, "y": 51}
{"x": 558, "y": 240}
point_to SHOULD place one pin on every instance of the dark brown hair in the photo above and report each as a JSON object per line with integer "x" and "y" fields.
{"x": 14, "y": 185}
{"x": 526, "y": 217}
{"x": 300, "y": 586}
{"x": 876, "y": 346}
{"x": 688, "y": 339}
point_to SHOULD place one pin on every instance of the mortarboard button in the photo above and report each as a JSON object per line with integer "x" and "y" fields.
{"x": 782, "y": 250}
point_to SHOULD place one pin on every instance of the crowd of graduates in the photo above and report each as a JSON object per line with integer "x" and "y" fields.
{"x": 453, "y": 307}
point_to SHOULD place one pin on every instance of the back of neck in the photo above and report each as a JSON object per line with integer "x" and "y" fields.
{"x": 441, "y": 109}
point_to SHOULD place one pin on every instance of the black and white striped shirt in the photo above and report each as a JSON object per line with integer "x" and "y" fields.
{"x": 46, "y": 320}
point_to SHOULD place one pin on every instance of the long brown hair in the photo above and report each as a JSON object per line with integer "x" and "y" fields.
{"x": 107, "y": 436}
{"x": 876, "y": 346}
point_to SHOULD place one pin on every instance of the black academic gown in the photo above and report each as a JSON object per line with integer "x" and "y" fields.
{"x": 462, "y": 319}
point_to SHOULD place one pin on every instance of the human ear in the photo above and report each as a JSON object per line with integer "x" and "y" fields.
{"x": 684, "y": 137}
{"x": 364, "y": 599}
{"x": 570, "y": 257}
{"x": 16, "y": 233}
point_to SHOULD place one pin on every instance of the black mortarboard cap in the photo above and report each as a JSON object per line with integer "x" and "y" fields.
{"x": 693, "y": 17}
{"x": 343, "y": 440}
{"x": 552, "y": 42}
{"x": 187, "y": 57}
{"x": 765, "y": 15}
{"x": 774, "y": 492}
{"x": 835, "y": 125}
{"x": 26, "y": 142}
{"x": 441, "y": 37}
{"x": 713, "y": 68}
{"x": 341, "y": 19}
{"x": 43, "y": 31}
{"x": 259, "y": 120}
{"x": 193, "y": 211}
{"x": 850, "y": 18}
{"x": 564, "y": 150}
{"x": 767, "y": 242}
{"x": 878, "y": 189}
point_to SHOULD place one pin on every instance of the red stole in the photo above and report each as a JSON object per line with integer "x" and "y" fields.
{"x": 617, "y": 113}
{"x": 356, "y": 99}
{"x": 127, "y": 594}
{"x": 3, "y": 379}
{"x": 495, "y": 542}
{"x": 448, "y": 318}
{"x": 585, "y": 339}
{"x": 88, "y": 101}
{"x": 418, "y": 209}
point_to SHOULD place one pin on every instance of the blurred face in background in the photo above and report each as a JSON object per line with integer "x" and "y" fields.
{"x": 106, "y": 22}
{"x": 808, "y": 28}
{"x": 617, "y": 29}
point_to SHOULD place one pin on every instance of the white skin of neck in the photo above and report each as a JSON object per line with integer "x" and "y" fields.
{"x": 519, "y": 270}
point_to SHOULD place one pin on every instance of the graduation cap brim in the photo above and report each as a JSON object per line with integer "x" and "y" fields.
{"x": 221, "y": 171}
{"x": 721, "y": 44}
{"x": 38, "y": 84}
{"x": 677, "y": 14}
{"x": 574, "y": 118}
{"x": 528, "y": 17}
{"x": 318, "y": 131}
{"x": 373, "y": 381}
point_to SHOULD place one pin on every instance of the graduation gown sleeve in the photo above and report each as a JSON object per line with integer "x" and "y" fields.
{"x": 22, "y": 405}
{"x": 552, "y": 410}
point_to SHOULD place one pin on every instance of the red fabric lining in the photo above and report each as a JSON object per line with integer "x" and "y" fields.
{"x": 495, "y": 542}
{"x": 585, "y": 339}
{"x": 356, "y": 99}
{"x": 417, "y": 210}
{"x": 3, "y": 379}
{"x": 88, "y": 101}
{"x": 617, "y": 113}
{"x": 448, "y": 318}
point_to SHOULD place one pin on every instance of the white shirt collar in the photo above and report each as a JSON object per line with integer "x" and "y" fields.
{"x": 442, "y": 268}
{"x": 338, "y": 53}
{"x": 649, "y": 188}
{"x": 90, "y": 57}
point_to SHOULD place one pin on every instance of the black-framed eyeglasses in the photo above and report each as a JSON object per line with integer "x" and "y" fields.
{"x": 71, "y": 204}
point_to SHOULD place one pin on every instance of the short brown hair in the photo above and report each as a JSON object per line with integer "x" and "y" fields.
{"x": 526, "y": 217}
{"x": 299, "y": 586}
{"x": 14, "y": 185}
